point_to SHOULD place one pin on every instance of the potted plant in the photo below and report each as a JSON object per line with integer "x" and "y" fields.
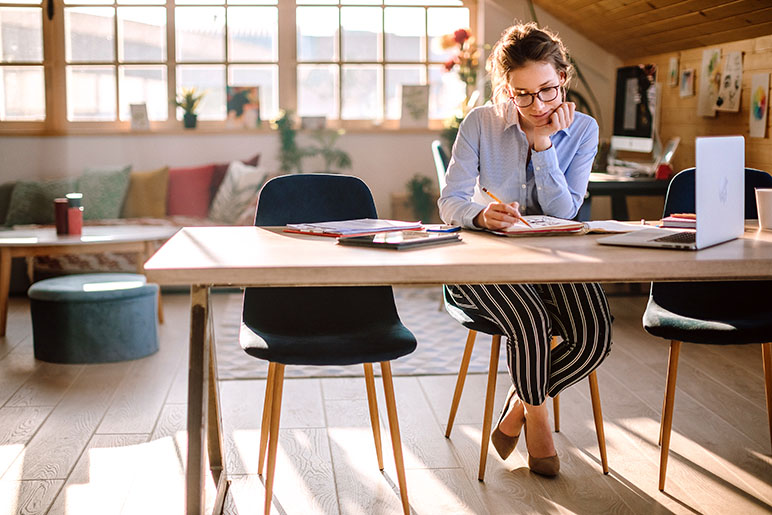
{"x": 188, "y": 100}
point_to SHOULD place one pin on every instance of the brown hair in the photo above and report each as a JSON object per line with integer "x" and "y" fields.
{"x": 519, "y": 44}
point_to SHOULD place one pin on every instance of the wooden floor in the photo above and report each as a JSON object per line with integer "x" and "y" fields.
{"x": 106, "y": 439}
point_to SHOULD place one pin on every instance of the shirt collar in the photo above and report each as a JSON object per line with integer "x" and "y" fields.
{"x": 511, "y": 117}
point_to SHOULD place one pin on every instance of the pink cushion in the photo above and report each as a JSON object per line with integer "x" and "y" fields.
{"x": 189, "y": 191}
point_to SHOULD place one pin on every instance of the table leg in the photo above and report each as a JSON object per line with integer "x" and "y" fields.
{"x": 198, "y": 376}
{"x": 5, "y": 284}
{"x": 141, "y": 258}
{"x": 214, "y": 425}
{"x": 619, "y": 206}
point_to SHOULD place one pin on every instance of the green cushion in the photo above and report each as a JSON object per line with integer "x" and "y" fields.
{"x": 104, "y": 191}
{"x": 5, "y": 199}
{"x": 32, "y": 202}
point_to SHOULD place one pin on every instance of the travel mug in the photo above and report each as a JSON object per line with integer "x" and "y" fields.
{"x": 75, "y": 214}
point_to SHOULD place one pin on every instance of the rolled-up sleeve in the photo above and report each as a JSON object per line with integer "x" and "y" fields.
{"x": 562, "y": 186}
{"x": 461, "y": 178}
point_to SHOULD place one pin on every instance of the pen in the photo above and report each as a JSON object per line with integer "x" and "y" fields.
{"x": 497, "y": 199}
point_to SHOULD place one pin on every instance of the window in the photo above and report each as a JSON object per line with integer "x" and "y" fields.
{"x": 70, "y": 64}
{"x": 354, "y": 56}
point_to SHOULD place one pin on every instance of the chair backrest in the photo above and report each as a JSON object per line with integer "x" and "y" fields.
{"x": 307, "y": 198}
{"x": 303, "y": 198}
{"x": 680, "y": 193}
{"x": 440, "y": 162}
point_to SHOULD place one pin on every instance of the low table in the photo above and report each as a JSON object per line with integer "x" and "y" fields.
{"x": 138, "y": 239}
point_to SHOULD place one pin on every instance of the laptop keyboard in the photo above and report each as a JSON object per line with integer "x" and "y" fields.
{"x": 678, "y": 237}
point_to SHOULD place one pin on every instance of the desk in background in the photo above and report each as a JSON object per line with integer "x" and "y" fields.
{"x": 619, "y": 187}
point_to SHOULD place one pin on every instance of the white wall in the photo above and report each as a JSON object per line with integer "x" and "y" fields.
{"x": 385, "y": 160}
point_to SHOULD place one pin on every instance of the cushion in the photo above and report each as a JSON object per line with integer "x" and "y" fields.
{"x": 5, "y": 199}
{"x": 147, "y": 194}
{"x": 237, "y": 193}
{"x": 104, "y": 190}
{"x": 32, "y": 202}
{"x": 188, "y": 192}
{"x": 221, "y": 169}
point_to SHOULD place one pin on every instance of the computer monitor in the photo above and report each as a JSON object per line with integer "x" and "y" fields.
{"x": 635, "y": 108}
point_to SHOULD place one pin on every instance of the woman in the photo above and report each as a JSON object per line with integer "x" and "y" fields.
{"x": 535, "y": 153}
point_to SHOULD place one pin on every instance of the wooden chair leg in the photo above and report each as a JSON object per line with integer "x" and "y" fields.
{"x": 766, "y": 354}
{"x": 372, "y": 403}
{"x": 273, "y": 435}
{"x": 490, "y": 394}
{"x": 555, "y": 399}
{"x": 667, "y": 412}
{"x": 598, "y": 416}
{"x": 266, "y": 423}
{"x": 460, "y": 380}
{"x": 396, "y": 441}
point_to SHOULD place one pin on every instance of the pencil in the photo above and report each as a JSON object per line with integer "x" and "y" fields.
{"x": 497, "y": 199}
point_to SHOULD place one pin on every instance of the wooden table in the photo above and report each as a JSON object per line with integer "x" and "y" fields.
{"x": 619, "y": 187}
{"x": 251, "y": 256}
{"x": 138, "y": 239}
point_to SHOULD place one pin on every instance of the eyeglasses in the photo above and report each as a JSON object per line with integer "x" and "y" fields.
{"x": 545, "y": 95}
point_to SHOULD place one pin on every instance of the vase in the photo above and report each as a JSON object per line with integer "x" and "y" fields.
{"x": 189, "y": 120}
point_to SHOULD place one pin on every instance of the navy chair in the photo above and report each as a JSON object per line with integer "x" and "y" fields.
{"x": 714, "y": 313}
{"x": 322, "y": 325}
{"x": 484, "y": 326}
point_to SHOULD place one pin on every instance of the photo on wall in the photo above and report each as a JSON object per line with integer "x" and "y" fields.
{"x": 710, "y": 80}
{"x": 731, "y": 83}
{"x": 672, "y": 76}
{"x": 687, "y": 83}
{"x": 243, "y": 106}
{"x": 759, "y": 104}
{"x": 415, "y": 106}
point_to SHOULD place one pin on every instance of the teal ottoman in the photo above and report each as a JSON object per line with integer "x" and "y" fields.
{"x": 94, "y": 318}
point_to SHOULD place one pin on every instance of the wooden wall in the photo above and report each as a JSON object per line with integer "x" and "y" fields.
{"x": 679, "y": 115}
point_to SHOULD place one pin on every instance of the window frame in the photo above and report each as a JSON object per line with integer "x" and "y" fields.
{"x": 54, "y": 64}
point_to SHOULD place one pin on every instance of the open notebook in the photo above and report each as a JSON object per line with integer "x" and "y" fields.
{"x": 541, "y": 224}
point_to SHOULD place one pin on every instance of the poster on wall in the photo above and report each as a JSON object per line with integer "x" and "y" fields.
{"x": 710, "y": 79}
{"x": 139, "y": 120}
{"x": 415, "y": 106}
{"x": 731, "y": 83}
{"x": 672, "y": 76}
{"x": 243, "y": 106}
{"x": 687, "y": 83}
{"x": 759, "y": 104}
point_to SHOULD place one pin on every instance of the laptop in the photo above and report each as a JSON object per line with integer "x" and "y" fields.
{"x": 719, "y": 201}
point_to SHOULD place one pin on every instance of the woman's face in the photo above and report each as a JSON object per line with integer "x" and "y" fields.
{"x": 535, "y": 76}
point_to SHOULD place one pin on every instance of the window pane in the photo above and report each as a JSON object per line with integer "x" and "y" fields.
{"x": 142, "y": 34}
{"x": 90, "y": 93}
{"x": 317, "y": 90}
{"x": 405, "y": 33}
{"x": 143, "y": 2}
{"x": 361, "y": 98}
{"x": 29, "y": 2}
{"x": 317, "y": 33}
{"x": 138, "y": 84}
{"x": 441, "y": 22}
{"x": 22, "y": 89}
{"x": 209, "y": 79}
{"x": 446, "y": 92}
{"x": 266, "y": 77}
{"x": 395, "y": 77}
{"x": 198, "y": 2}
{"x": 361, "y": 2}
{"x": 199, "y": 33}
{"x": 318, "y": 2}
{"x": 361, "y": 33}
{"x": 89, "y": 2}
{"x": 252, "y": 2}
{"x": 88, "y": 34}
{"x": 21, "y": 35}
{"x": 253, "y": 33}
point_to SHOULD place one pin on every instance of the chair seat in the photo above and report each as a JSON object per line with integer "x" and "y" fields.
{"x": 378, "y": 343}
{"x": 718, "y": 313}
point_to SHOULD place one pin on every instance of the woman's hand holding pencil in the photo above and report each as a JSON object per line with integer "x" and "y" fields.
{"x": 499, "y": 215}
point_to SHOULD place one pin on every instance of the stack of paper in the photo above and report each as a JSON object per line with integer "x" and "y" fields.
{"x": 352, "y": 227}
{"x": 542, "y": 224}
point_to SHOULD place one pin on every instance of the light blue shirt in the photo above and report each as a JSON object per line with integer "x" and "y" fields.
{"x": 491, "y": 151}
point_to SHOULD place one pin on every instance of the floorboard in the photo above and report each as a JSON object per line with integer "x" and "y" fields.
{"x": 82, "y": 439}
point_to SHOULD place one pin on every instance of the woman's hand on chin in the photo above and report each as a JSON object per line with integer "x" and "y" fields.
{"x": 561, "y": 118}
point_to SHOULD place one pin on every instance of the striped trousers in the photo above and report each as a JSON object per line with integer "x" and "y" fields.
{"x": 529, "y": 315}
